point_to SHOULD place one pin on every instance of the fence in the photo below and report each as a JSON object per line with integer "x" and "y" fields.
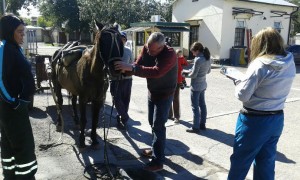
{"x": 31, "y": 49}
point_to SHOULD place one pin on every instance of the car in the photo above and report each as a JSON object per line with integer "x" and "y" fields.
{"x": 295, "y": 50}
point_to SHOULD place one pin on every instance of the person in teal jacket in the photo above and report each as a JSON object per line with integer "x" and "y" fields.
{"x": 16, "y": 88}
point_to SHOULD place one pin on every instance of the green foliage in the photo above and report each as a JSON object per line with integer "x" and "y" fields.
{"x": 42, "y": 22}
{"x": 61, "y": 12}
{"x": 26, "y": 21}
{"x": 295, "y": 18}
{"x": 79, "y": 14}
{"x": 14, "y": 5}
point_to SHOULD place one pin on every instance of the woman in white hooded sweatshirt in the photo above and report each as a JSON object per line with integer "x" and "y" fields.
{"x": 263, "y": 92}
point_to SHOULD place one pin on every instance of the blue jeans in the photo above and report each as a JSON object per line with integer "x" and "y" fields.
{"x": 256, "y": 140}
{"x": 121, "y": 92}
{"x": 158, "y": 112}
{"x": 198, "y": 101}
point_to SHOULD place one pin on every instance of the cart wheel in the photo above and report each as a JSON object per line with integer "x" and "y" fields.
{"x": 30, "y": 105}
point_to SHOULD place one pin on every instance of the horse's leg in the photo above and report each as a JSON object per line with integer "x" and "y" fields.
{"x": 57, "y": 89}
{"x": 82, "y": 106}
{"x": 75, "y": 113}
{"x": 96, "y": 105}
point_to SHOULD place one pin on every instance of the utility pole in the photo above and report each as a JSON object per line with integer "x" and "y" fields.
{"x": 4, "y": 5}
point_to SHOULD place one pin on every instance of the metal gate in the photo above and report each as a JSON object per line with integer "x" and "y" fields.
{"x": 31, "y": 40}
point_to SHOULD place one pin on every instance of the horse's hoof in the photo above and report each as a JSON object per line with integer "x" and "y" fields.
{"x": 95, "y": 146}
{"x": 58, "y": 128}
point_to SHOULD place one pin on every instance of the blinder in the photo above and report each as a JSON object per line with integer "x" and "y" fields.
{"x": 114, "y": 52}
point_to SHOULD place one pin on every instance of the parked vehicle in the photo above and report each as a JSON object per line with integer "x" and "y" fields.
{"x": 295, "y": 50}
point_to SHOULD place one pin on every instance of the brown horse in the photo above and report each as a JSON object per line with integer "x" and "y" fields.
{"x": 88, "y": 78}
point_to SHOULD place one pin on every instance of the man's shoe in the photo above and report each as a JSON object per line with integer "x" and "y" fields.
{"x": 147, "y": 153}
{"x": 153, "y": 167}
{"x": 192, "y": 130}
{"x": 202, "y": 126}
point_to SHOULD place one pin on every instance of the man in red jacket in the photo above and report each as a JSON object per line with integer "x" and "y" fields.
{"x": 158, "y": 64}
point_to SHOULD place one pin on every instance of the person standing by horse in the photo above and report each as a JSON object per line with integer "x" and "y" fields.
{"x": 16, "y": 88}
{"x": 158, "y": 64}
{"x": 120, "y": 88}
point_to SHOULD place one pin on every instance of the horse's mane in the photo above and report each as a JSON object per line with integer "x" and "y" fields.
{"x": 95, "y": 52}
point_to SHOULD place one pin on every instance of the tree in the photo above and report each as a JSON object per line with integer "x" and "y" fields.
{"x": 61, "y": 12}
{"x": 42, "y": 22}
{"x": 78, "y": 14}
{"x": 123, "y": 11}
{"x": 14, "y": 5}
{"x": 27, "y": 21}
{"x": 295, "y": 18}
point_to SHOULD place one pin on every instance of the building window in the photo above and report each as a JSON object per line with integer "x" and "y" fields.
{"x": 140, "y": 38}
{"x": 174, "y": 37}
{"x": 278, "y": 26}
{"x": 239, "y": 34}
{"x": 239, "y": 37}
{"x": 194, "y": 34}
{"x": 240, "y": 24}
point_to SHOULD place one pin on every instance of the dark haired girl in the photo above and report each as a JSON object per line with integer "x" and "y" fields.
{"x": 16, "y": 87}
{"x": 197, "y": 73}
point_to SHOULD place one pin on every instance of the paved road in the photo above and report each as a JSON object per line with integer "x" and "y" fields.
{"x": 189, "y": 156}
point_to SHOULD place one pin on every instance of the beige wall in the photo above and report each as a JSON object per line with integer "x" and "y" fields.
{"x": 217, "y": 28}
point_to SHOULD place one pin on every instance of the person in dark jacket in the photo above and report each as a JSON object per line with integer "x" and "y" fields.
{"x": 16, "y": 88}
{"x": 158, "y": 64}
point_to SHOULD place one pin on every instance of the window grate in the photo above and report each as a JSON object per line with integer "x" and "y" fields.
{"x": 239, "y": 37}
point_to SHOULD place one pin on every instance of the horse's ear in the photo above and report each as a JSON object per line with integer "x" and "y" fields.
{"x": 98, "y": 25}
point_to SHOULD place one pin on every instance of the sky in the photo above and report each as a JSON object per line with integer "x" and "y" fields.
{"x": 33, "y": 12}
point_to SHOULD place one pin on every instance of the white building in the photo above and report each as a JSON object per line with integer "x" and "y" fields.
{"x": 222, "y": 25}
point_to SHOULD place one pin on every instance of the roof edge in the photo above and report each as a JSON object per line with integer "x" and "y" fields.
{"x": 292, "y": 5}
{"x": 158, "y": 24}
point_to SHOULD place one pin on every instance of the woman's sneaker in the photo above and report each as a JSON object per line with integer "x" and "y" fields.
{"x": 192, "y": 130}
{"x": 154, "y": 167}
{"x": 202, "y": 126}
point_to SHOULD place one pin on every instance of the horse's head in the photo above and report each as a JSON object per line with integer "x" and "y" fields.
{"x": 110, "y": 46}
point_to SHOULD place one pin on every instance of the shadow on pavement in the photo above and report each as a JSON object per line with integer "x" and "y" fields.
{"x": 228, "y": 139}
{"x": 37, "y": 113}
{"x": 298, "y": 69}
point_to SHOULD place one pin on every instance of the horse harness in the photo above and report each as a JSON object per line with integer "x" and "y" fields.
{"x": 114, "y": 35}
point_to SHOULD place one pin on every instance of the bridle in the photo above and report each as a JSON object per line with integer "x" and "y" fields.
{"x": 114, "y": 42}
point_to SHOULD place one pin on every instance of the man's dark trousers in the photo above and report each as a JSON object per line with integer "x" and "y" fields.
{"x": 158, "y": 112}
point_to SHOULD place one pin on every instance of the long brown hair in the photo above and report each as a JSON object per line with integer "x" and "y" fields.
{"x": 267, "y": 42}
{"x": 196, "y": 46}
